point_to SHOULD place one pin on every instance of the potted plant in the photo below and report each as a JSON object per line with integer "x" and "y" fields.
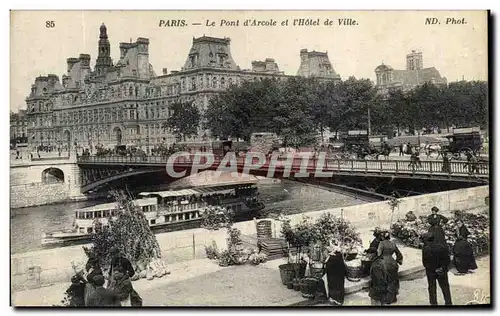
{"x": 337, "y": 230}
{"x": 298, "y": 238}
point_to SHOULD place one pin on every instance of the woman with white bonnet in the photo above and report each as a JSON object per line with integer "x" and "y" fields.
{"x": 335, "y": 275}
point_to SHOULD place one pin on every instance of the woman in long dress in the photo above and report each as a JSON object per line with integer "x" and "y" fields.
{"x": 436, "y": 221}
{"x": 463, "y": 254}
{"x": 384, "y": 285}
{"x": 93, "y": 268}
{"x": 335, "y": 275}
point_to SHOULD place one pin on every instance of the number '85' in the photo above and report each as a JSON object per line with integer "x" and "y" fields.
{"x": 50, "y": 24}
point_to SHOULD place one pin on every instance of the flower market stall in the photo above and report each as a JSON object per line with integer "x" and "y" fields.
{"x": 309, "y": 241}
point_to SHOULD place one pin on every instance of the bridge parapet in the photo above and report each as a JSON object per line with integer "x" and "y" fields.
{"x": 394, "y": 167}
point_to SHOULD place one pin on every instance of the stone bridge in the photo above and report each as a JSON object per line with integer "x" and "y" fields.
{"x": 44, "y": 180}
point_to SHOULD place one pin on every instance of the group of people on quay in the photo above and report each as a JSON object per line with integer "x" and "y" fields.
{"x": 90, "y": 288}
{"x": 386, "y": 259}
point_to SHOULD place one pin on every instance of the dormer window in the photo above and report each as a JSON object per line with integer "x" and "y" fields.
{"x": 221, "y": 60}
{"x": 192, "y": 61}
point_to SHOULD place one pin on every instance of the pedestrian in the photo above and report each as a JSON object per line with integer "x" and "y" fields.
{"x": 93, "y": 269}
{"x": 336, "y": 272}
{"x": 463, "y": 254}
{"x": 372, "y": 249}
{"x": 76, "y": 291}
{"x": 102, "y": 297}
{"x": 436, "y": 259}
{"x": 409, "y": 150}
{"x": 120, "y": 263}
{"x": 413, "y": 161}
{"x": 384, "y": 285}
{"x": 417, "y": 159}
{"x": 446, "y": 163}
{"x": 436, "y": 220}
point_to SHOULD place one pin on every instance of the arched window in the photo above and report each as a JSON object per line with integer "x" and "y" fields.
{"x": 222, "y": 82}
{"x": 214, "y": 82}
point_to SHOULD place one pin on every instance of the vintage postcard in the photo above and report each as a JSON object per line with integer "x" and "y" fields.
{"x": 249, "y": 158}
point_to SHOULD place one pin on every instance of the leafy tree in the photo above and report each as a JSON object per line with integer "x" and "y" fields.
{"x": 129, "y": 231}
{"x": 184, "y": 121}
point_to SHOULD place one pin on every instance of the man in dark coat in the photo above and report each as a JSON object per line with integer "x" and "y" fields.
{"x": 436, "y": 259}
{"x": 102, "y": 297}
{"x": 436, "y": 229}
{"x": 120, "y": 263}
{"x": 123, "y": 265}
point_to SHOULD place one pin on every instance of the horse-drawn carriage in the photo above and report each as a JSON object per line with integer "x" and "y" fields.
{"x": 357, "y": 144}
{"x": 463, "y": 141}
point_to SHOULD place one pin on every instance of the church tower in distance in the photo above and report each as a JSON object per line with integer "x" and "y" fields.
{"x": 103, "y": 62}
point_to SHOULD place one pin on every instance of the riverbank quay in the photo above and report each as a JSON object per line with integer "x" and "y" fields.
{"x": 202, "y": 282}
{"x": 51, "y": 266}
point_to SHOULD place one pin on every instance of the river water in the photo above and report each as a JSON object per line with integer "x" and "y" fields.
{"x": 28, "y": 224}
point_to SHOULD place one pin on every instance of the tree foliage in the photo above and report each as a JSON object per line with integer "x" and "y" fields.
{"x": 184, "y": 119}
{"x": 300, "y": 109}
{"x": 128, "y": 231}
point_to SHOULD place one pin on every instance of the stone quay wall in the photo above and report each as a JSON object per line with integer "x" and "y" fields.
{"x": 44, "y": 267}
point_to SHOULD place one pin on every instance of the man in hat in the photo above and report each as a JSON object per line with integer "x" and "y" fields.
{"x": 436, "y": 259}
{"x": 436, "y": 221}
{"x": 102, "y": 297}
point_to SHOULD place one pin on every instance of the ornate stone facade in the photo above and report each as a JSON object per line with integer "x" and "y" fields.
{"x": 18, "y": 127}
{"x": 415, "y": 74}
{"x": 126, "y": 103}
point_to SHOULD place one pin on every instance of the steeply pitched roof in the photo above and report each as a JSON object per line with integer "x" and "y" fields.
{"x": 416, "y": 77}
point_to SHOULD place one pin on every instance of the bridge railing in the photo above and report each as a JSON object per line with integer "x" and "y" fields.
{"x": 380, "y": 166}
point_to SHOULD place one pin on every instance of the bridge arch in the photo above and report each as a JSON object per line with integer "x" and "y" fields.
{"x": 52, "y": 175}
{"x": 95, "y": 184}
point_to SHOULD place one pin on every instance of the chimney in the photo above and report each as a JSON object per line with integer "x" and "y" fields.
{"x": 165, "y": 71}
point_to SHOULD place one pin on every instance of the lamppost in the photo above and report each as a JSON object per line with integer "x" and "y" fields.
{"x": 369, "y": 122}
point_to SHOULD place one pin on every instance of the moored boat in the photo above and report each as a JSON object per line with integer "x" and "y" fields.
{"x": 164, "y": 210}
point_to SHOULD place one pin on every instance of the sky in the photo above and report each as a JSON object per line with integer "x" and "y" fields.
{"x": 456, "y": 50}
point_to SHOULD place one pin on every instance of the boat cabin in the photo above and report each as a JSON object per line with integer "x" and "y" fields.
{"x": 195, "y": 198}
{"x": 85, "y": 217}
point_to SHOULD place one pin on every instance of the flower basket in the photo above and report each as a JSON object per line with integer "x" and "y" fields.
{"x": 308, "y": 287}
{"x": 351, "y": 256}
{"x": 354, "y": 270}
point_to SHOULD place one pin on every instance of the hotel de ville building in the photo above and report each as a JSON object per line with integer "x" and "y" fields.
{"x": 126, "y": 102}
